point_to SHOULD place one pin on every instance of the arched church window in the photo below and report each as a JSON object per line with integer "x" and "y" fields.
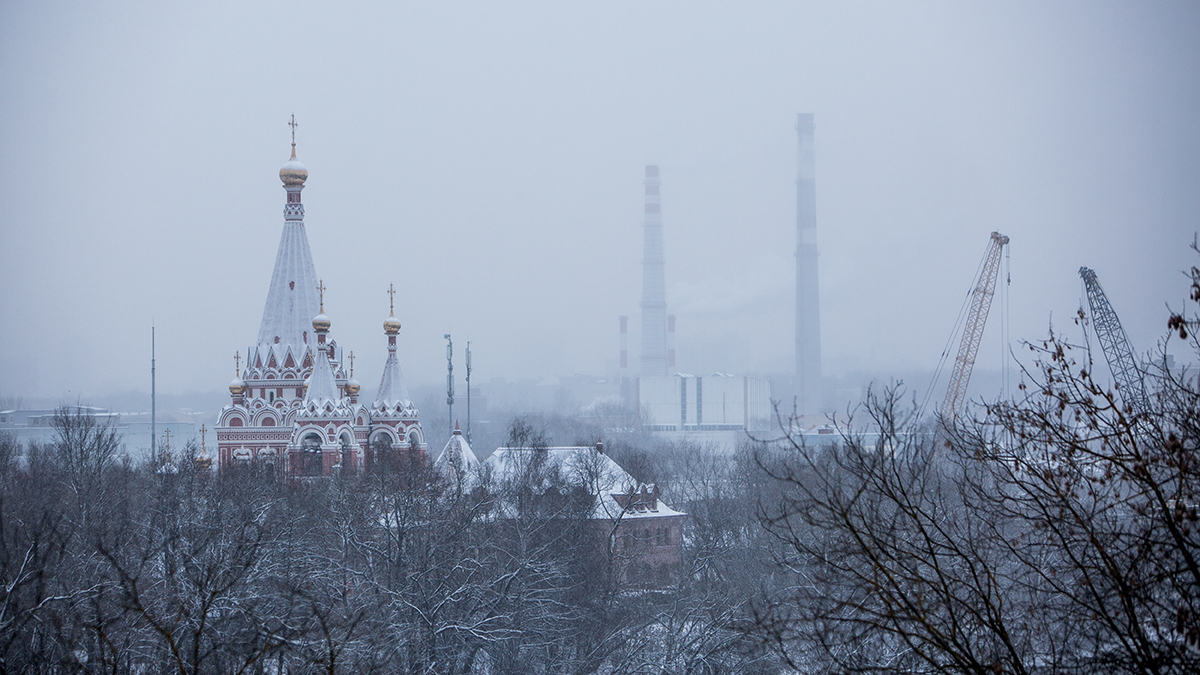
{"x": 381, "y": 451}
{"x": 310, "y": 458}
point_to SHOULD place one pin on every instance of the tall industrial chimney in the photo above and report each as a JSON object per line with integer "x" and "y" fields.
{"x": 654, "y": 296}
{"x": 808, "y": 311}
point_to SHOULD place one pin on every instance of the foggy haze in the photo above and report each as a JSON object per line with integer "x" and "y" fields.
{"x": 488, "y": 159}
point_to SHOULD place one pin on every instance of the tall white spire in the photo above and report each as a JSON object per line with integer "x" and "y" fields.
{"x": 654, "y": 295}
{"x": 322, "y": 388}
{"x": 292, "y": 299}
{"x": 392, "y": 392}
{"x": 322, "y": 385}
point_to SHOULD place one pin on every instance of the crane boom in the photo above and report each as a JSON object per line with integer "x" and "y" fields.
{"x": 1115, "y": 344}
{"x": 981, "y": 303}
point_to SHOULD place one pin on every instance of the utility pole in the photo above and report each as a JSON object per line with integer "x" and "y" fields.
{"x": 468, "y": 392}
{"x": 450, "y": 380}
{"x": 153, "y": 410}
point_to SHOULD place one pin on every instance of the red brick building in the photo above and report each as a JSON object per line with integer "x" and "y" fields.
{"x": 643, "y": 535}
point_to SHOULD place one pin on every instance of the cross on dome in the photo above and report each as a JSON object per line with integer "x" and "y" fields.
{"x": 293, "y": 125}
{"x": 352, "y": 364}
{"x": 321, "y": 292}
{"x": 237, "y": 363}
{"x": 391, "y": 325}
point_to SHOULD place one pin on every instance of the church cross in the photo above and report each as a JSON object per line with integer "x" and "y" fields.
{"x": 391, "y": 299}
{"x": 237, "y": 364}
{"x": 293, "y": 125}
{"x": 351, "y": 364}
{"x": 202, "y": 432}
{"x": 167, "y": 435}
{"x": 321, "y": 291}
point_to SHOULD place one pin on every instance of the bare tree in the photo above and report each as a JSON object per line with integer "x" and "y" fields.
{"x": 84, "y": 444}
{"x": 1056, "y": 533}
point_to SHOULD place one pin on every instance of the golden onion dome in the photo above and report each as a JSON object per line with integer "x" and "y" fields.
{"x": 352, "y": 386}
{"x": 321, "y": 322}
{"x": 391, "y": 325}
{"x": 237, "y": 387}
{"x": 293, "y": 173}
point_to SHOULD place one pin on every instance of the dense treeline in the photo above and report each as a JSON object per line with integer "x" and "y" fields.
{"x": 111, "y": 568}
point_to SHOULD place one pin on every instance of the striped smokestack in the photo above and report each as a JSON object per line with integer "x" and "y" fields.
{"x": 808, "y": 314}
{"x": 654, "y": 297}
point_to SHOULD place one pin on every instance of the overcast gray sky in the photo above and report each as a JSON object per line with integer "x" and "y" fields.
{"x": 487, "y": 159}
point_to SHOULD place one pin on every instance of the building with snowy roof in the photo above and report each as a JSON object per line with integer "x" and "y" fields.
{"x": 643, "y": 535}
{"x": 294, "y": 404}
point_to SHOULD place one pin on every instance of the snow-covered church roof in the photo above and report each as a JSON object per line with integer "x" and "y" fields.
{"x": 322, "y": 387}
{"x": 292, "y": 300}
{"x": 457, "y": 453}
{"x": 392, "y": 392}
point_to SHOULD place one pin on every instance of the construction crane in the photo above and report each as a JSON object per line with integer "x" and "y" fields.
{"x": 1115, "y": 344}
{"x": 981, "y": 303}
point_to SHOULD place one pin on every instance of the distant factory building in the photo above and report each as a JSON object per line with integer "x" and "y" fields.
{"x": 717, "y": 402}
{"x": 721, "y": 407}
{"x": 37, "y": 426}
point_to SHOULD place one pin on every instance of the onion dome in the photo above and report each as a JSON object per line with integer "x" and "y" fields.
{"x": 321, "y": 322}
{"x": 391, "y": 325}
{"x": 352, "y": 386}
{"x": 293, "y": 173}
{"x": 237, "y": 387}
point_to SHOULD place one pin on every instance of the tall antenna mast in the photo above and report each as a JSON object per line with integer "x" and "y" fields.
{"x": 153, "y": 402}
{"x": 450, "y": 380}
{"x": 468, "y": 392}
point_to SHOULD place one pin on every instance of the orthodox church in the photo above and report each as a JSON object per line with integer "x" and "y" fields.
{"x": 295, "y": 407}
